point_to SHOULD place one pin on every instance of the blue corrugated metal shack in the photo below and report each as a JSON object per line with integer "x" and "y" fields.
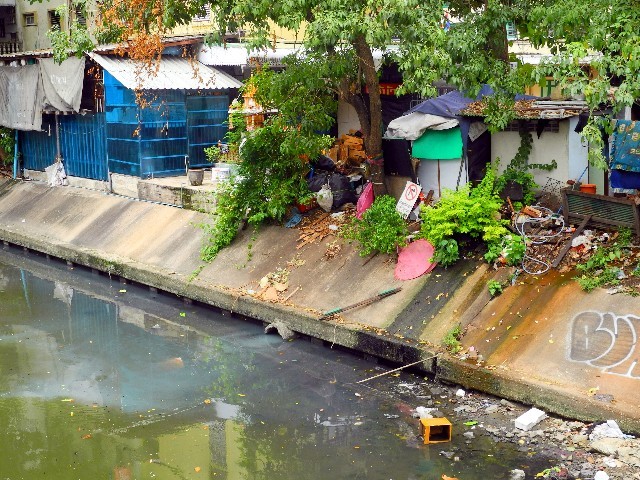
{"x": 44, "y": 95}
{"x": 159, "y": 121}
{"x": 134, "y": 121}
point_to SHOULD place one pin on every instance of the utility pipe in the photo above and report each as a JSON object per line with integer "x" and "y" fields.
{"x": 58, "y": 153}
{"x": 15, "y": 157}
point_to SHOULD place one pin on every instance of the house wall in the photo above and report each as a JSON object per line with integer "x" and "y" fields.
{"x": 565, "y": 146}
{"x": 34, "y": 37}
{"x": 347, "y": 118}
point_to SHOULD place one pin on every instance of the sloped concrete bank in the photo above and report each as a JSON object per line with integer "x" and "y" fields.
{"x": 158, "y": 246}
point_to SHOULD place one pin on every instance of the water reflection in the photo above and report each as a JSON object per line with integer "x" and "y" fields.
{"x": 101, "y": 380}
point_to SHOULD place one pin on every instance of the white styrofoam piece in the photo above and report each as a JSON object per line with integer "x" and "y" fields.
{"x": 529, "y": 419}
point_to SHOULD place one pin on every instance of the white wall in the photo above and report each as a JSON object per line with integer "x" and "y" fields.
{"x": 347, "y": 118}
{"x": 565, "y": 147}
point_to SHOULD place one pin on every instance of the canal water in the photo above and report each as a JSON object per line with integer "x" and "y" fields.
{"x": 105, "y": 380}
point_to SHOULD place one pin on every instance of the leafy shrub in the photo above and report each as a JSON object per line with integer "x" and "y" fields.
{"x": 269, "y": 180}
{"x": 7, "y": 137}
{"x": 381, "y": 228}
{"x": 467, "y": 211}
{"x": 599, "y": 269}
{"x": 446, "y": 252}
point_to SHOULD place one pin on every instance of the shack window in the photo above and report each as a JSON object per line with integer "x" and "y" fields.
{"x": 204, "y": 15}
{"x": 29, "y": 19}
{"x": 81, "y": 18}
{"x": 54, "y": 19}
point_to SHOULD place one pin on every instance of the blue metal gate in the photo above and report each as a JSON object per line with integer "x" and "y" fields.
{"x": 82, "y": 145}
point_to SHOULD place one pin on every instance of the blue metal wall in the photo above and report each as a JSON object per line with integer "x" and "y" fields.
{"x": 82, "y": 144}
{"x": 155, "y": 141}
{"x": 206, "y": 125}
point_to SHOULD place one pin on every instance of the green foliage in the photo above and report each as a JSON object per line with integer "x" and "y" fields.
{"x": 514, "y": 248}
{"x": 270, "y": 178}
{"x": 599, "y": 270}
{"x": 381, "y": 228}
{"x": 7, "y": 142}
{"x": 518, "y": 170}
{"x": 446, "y": 252}
{"x": 499, "y": 112}
{"x": 467, "y": 211}
{"x": 495, "y": 287}
{"x": 76, "y": 41}
{"x": 511, "y": 248}
{"x": 604, "y": 34}
{"x": 452, "y": 339}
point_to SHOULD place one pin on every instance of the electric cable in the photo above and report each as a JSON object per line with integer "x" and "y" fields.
{"x": 527, "y": 225}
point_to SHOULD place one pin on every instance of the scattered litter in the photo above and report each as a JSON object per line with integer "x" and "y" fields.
{"x": 424, "y": 412}
{"x": 295, "y": 219}
{"x": 530, "y": 419}
{"x": 600, "y": 475}
{"x": 581, "y": 240}
{"x": 517, "y": 474}
{"x": 610, "y": 429}
{"x": 460, "y": 393}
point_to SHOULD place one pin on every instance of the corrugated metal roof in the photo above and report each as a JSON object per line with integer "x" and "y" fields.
{"x": 237, "y": 55}
{"x": 172, "y": 73}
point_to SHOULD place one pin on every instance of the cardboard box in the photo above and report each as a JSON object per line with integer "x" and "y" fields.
{"x": 435, "y": 430}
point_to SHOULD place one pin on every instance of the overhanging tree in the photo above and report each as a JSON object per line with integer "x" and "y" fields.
{"x": 342, "y": 34}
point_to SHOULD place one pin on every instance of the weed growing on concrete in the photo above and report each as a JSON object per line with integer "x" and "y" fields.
{"x": 495, "y": 287}
{"x": 604, "y": 267}
{"x": 452, "y": 339}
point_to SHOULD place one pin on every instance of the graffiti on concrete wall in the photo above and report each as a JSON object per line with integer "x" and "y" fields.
{"x": 607, "y": 341}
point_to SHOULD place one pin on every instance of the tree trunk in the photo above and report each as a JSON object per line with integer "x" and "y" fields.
{"x": 371, "y": 120}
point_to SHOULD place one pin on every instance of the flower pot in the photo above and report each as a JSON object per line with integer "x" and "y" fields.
{"x": 195, "y": 176}
{"x": 588, "y": 188}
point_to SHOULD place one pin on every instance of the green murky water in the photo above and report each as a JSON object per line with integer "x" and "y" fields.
{"x": 100, "y": 380}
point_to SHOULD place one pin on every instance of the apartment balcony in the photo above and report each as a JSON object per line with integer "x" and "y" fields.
{"x": 10, "y": 47}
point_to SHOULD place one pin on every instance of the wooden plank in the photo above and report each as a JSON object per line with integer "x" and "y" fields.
{"x": 567, "y": 246}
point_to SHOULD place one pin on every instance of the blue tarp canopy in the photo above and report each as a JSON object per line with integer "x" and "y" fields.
{"x": 451, "y": 104}
{"x": 448, "y": 105}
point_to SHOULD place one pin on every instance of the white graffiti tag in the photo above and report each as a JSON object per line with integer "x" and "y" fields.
{"x": 607, "y": 341}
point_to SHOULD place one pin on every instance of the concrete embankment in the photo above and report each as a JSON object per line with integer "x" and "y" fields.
{"x": 159, "y": 246}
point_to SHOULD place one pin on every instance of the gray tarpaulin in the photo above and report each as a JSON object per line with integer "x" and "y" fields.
{"x": 20, "y": 97}
{"x": 62, "y": 84}
{"x": 28, "y": 89}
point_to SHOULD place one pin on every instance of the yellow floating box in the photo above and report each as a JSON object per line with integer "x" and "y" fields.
{"x": 435, "y": 430}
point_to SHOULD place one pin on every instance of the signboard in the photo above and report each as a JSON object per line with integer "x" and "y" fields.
{"x": 408, "y": 199}
{"x": 386, "y": 88}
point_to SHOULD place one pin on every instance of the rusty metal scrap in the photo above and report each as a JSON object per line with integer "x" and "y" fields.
{"x": 533, "y": 109}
